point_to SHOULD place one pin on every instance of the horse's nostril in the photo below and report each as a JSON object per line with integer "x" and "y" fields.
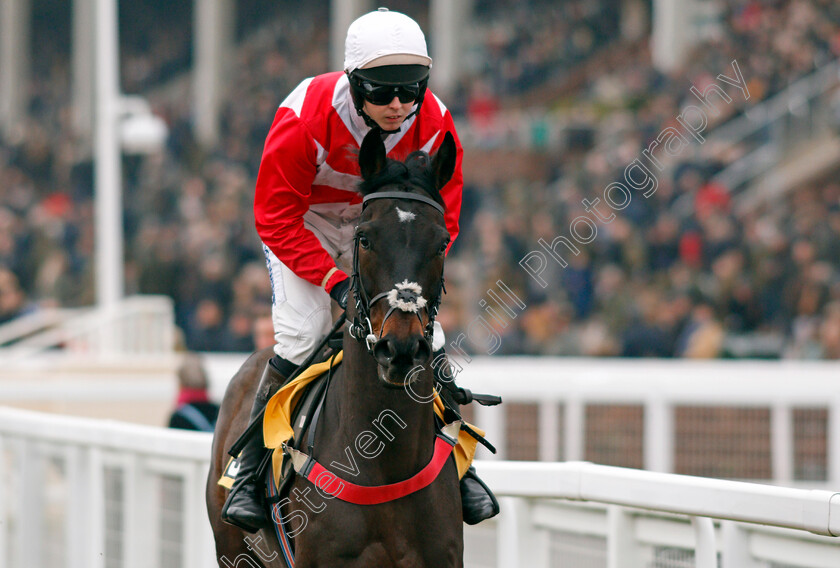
{"x": 391, "y": 352}
{"x": 384, "y": 352}
{"x": 422, "y": 352}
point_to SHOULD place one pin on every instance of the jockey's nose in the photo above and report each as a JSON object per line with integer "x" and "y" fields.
{"x": 405, "y": 352}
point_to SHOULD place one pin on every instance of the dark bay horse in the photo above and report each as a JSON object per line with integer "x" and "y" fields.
{"x": 370, "y": 431}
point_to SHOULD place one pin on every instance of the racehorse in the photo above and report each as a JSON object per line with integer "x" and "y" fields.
{"x": 399, "y": 248}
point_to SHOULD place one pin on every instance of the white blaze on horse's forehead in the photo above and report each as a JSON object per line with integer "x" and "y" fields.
{"x": 405, "y": 216}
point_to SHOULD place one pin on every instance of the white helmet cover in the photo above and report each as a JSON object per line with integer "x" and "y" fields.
{"x": 384, "y": 38}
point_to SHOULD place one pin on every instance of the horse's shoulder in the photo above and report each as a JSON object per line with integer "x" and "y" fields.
{"x": 256, "y": 361}
{"x": 248, "y": 375}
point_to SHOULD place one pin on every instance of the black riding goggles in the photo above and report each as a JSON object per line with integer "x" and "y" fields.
{"x": 379, "y": 94}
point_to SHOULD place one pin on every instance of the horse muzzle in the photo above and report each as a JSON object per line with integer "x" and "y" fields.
{"x": 397, "y": 357}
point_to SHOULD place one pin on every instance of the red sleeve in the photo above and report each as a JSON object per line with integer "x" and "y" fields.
{"x": 284, "y": 184}
{"x": 452, "y": 192}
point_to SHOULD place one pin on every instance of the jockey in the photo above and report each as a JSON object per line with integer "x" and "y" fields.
{"x": 306, "y": 207}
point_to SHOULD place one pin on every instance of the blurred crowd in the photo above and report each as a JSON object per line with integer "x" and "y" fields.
{"x": 684, "y": 273}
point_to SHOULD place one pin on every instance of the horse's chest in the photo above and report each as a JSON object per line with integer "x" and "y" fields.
{"x": 393, "y": 553}
{"x": 393, "y": 556}
{"x": 360, "y": 538}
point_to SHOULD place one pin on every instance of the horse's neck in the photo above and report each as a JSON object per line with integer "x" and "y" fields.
{"x": 359, "y": 405}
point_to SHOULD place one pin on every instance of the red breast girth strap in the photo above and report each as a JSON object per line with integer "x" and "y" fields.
{"x": 334, "y": 485}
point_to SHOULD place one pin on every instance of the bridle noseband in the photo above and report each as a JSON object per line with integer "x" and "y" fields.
{"x": 361, "y": 328}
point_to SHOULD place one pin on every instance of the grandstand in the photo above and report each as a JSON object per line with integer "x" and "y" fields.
{"x": 569, "y": 117}
{"x": 655, "y": 179}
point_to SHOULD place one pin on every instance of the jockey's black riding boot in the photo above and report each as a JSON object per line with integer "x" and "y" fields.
{"x": 244, "y": 506}
{"x": 477, "y": 501}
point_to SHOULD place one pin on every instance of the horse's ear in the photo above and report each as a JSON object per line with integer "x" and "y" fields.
{"x": 372, "y": 154}
{"x": 443, "y": 162}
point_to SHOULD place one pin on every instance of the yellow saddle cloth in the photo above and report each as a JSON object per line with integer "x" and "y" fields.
{"x": 277, "y": 423}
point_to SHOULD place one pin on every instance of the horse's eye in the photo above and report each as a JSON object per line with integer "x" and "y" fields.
{"x": 442, "y": 249}
{"x": 364, "y": 242}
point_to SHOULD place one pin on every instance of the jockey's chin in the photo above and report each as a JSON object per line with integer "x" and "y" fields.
{"x": 391, "y": 116}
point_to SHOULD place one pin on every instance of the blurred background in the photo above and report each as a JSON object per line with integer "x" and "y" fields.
{"x": 553, "y": 100}
{"x": 118, "y": 257}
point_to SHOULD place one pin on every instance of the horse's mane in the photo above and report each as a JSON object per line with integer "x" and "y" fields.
{"x": 415, "y": 172}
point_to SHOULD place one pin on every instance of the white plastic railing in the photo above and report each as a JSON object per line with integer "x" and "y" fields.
{"x": 90, "y": 493}
{"x": 563, "y": 388}
{"x": 625, "y": 524}
{"x": 138, "y": 325}
{"x": 701, "y": 499}
{"x": 34, "y": 322}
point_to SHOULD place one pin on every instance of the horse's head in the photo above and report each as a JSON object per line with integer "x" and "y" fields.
{"x": 400, "y": 244}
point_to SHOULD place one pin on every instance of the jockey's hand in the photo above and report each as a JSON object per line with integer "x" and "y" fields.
{"x": 339, "y": 293}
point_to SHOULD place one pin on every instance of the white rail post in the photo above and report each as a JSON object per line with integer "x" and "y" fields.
{"x": 204, "y": 535}
{"x": 574, "y": 436}
{"x": 31, "y": 505}
{"x": 781, "y": 440}
{"x": 94, "y": 508}
{"x": 146, "y": 483}
{"x": 658, "y": 436}
{"x": 705, "y": 552}
{"x": 134, "y": 549}
{"x": 833, "y": 443}
{"x": 5, "y": 473}
{"x": 623, "y": 549}
{"x": 519, "y": 542}
{"x": 549, "y": 431}
{"x": 192, "y": 502}
{"x": 735, "y": 549}
{"x": 77, "y": 506}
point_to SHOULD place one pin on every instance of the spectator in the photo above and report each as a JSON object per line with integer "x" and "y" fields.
{"x": 12, "y": 299}
{"x": 263, "y": 332}
{"x": 193, "y": 408}
{"x": 702, "y": 337}
{"x": 206, "y": 329}
{"x": 830, "y": 332}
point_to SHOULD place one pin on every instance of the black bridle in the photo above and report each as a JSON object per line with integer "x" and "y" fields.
{"x": 361, "y": 328}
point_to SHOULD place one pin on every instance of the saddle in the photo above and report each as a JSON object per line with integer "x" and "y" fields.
{"x": 296, "y": 404}
{"x": 289, "y": 413}
{"x": 307, "y": 391}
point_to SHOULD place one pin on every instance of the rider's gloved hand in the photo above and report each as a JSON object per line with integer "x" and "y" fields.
{"x": 339, "y": 293}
